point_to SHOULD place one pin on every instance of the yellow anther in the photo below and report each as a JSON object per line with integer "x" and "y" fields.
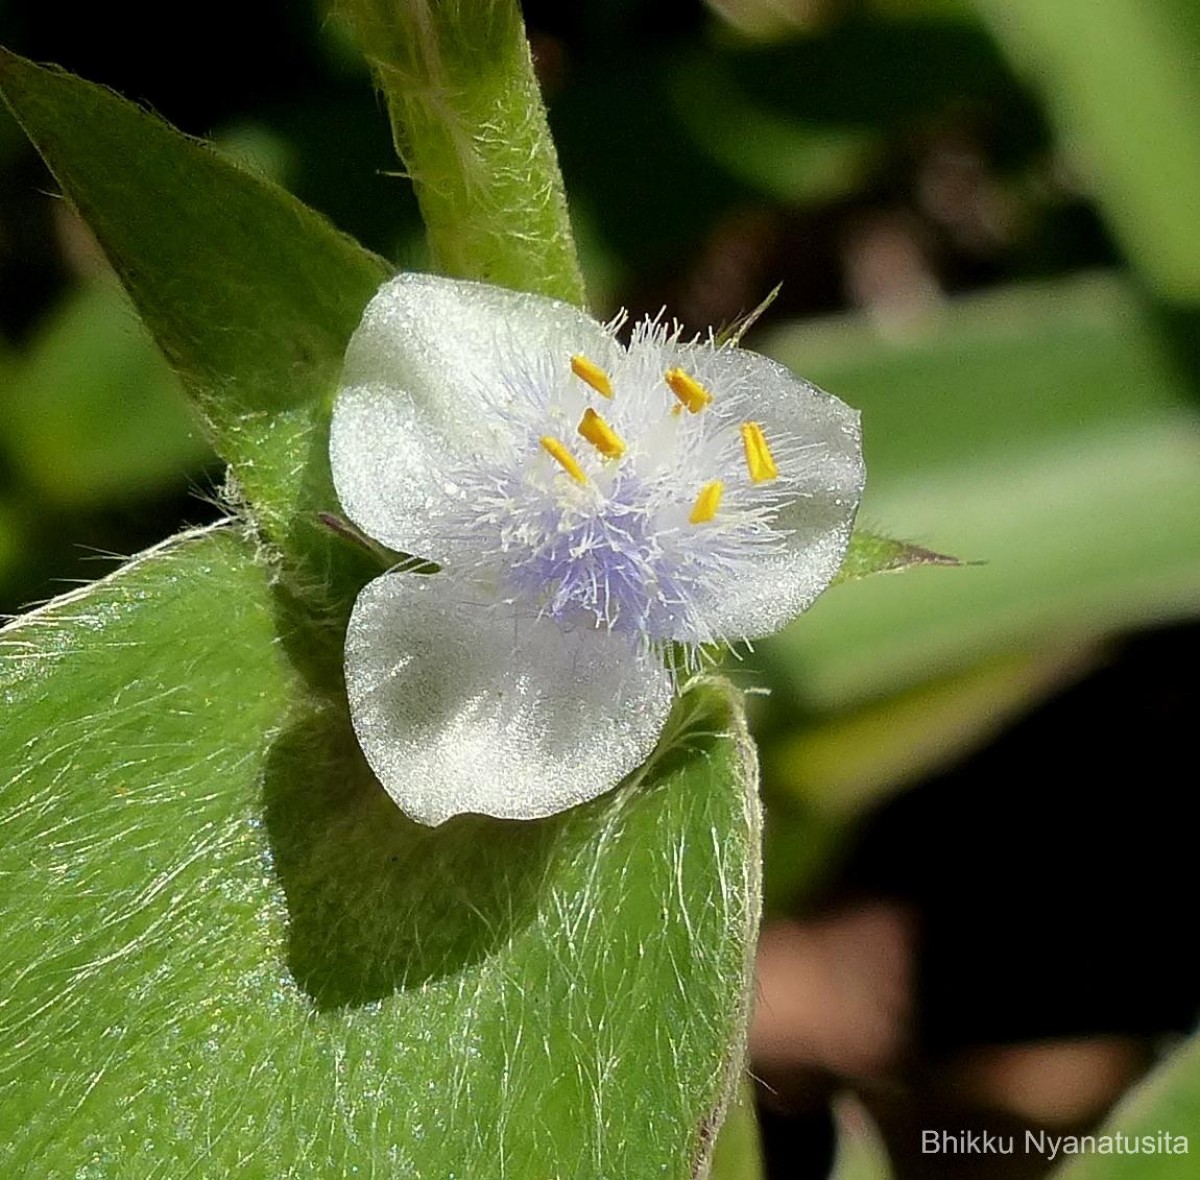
{"x": 759, "y": 462}
{"x": 559, "y": 453}
{"x": 689, "y": 391}
{"x": 591, "y": 373}
{"x": 602, "y": 436}
{"x": 707, "y": 503}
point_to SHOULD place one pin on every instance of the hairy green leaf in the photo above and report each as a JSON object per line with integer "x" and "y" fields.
{"x": 227, "y": 953}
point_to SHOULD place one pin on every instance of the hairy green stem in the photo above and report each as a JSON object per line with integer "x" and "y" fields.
{"x": 469, "y": 124}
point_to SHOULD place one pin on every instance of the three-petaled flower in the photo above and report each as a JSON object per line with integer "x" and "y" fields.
{"x": 594, "y": 509}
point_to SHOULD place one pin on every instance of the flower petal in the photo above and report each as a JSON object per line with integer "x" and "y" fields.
{"x": 461, "y": 706}
{"x": 426, "y": 378}
{"x": 825, "y": 479}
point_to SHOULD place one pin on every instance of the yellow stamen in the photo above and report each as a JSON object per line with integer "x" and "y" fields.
{"x": 591, "y": 373}
{"x": 602, "y": 436}
{"x": 563, "y": 457}
{"x": 707, "y": 503}
{"x": 689, "y": 391}
{"x": 759, "y": 462}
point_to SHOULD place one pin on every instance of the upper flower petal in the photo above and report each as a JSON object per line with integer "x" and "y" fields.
{"x": 427, "y": 377}
{"x": 461, "y": 706}
{"x": 821, "y": 484}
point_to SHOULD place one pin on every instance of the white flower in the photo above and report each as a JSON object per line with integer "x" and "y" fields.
{"x": 590, "y": 507}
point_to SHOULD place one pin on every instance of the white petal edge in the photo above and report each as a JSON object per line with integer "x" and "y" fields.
{"x": 460, "y": 706}
{"x": 414, "y": 395}
{"x": 829, "y": 481}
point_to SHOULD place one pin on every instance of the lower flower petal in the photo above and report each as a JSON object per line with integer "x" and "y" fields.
{"x": 460, "y": 705}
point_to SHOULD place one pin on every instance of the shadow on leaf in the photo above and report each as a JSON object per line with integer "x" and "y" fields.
{"x": 378, "y": 904}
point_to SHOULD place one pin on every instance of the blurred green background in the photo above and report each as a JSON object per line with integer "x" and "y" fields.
{"x": 983, "y": 214}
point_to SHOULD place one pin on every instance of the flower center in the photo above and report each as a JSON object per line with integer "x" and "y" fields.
{"x": 627, "y": 529}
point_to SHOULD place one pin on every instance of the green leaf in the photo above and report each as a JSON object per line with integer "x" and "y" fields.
{"x": 784, "y": 157}
{"x": 227, "y": 953}
{"x": 1167, "y": 1102}
{"x": 861, "y": 1152}
{"x": 94, "y": 414}
{"x": 468, "y": 122}
{"x": 1042, "y": 434}
{"x": 844, "y": 764}
{"x": 251, "y": 296}
{"x": 738, "y": 1154}
{"x": 1123, "y": 80}
{"x": 11, "y": 540}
